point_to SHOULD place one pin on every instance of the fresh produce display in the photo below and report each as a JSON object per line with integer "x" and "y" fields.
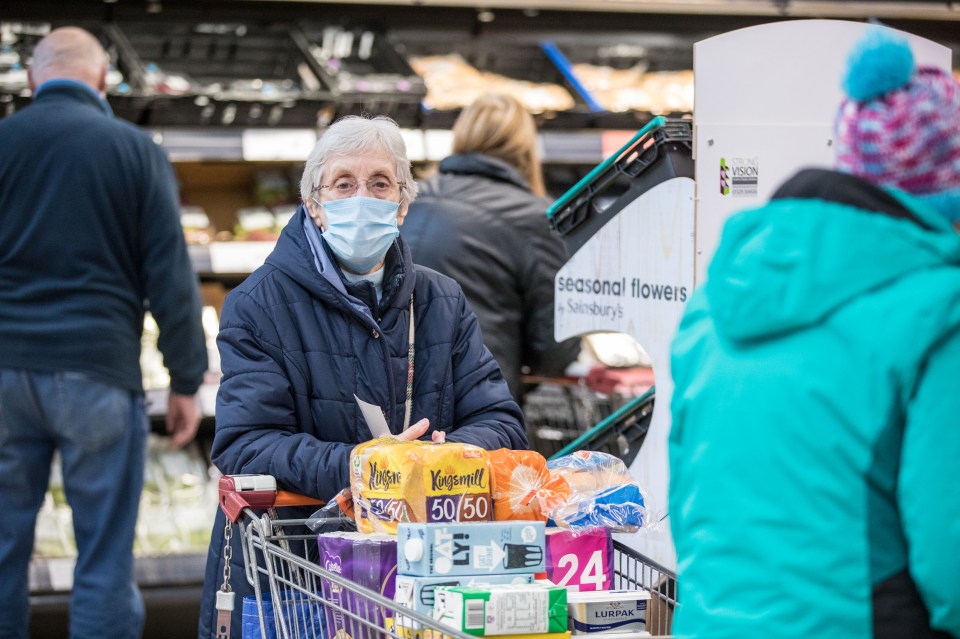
{"x": 179, "y": 497}
{"x": 256, "y": 224}
{"x": 154, "y": 373}
{"x": 197, "y": 228}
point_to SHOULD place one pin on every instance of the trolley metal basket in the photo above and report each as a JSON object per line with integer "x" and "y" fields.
{"x": 620, "y": 434}
{"x": 300, "y": 595}
{"x": 563, "y": 418}
{"x": 558, "y": 411}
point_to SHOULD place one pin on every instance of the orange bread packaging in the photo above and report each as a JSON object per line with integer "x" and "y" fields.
{"x": 394, "y": 481}
{"x": 527, "y": 487}
{"x": 518, "y": 477}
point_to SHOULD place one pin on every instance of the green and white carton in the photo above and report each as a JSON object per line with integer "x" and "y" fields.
{"x": 502, "y": 609}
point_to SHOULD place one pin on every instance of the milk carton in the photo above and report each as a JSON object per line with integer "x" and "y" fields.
{"x": 419, "y": 593}
{"x": 482, "y": 548}
{"x": 503, "y": 609}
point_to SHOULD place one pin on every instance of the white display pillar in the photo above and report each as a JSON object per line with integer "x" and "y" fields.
{"x": 765, "y": 102}
{"x": 633, "y": 277}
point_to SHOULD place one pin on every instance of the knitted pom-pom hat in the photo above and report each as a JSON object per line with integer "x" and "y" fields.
{"x": 900, "y": 124}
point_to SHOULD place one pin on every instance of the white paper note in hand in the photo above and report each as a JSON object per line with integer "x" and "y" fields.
{"x": 374, "y": 418}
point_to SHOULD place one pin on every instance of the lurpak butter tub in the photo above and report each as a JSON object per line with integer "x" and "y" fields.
{"x": 608, "y": 611}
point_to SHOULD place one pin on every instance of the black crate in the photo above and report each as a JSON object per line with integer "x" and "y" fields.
{"x": 17, "y": 39}
{"x": 227, "y": 74}
{"x": 365, "y": 69}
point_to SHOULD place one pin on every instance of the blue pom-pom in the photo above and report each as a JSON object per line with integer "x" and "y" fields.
{"x": 880, "y": 62}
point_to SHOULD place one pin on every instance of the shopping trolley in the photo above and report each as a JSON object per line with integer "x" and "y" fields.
{"x": 620, "y": 434}
{"x": 559, "y": 411}
{"x": 563, "y": 418}
{"x": 302, "y": 600}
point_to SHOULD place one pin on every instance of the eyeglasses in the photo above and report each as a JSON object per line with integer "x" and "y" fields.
{"x": 379, "y": 186}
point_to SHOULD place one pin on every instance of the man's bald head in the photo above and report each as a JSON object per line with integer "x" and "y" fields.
{"x": 69, "y": 53}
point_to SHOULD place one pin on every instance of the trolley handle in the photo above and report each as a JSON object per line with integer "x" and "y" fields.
{"x": 238, "y": 492}
{"x": 577, "y": 189}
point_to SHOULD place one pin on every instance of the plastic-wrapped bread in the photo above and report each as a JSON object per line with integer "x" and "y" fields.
{"x": 518, "y": 476}
{"x": 589, "y": 488}
{"x": 452, "y": 83}
{"x": 633, "y": 89}
{"x": 581, "y": 473}
{"x": 394, "y": 481}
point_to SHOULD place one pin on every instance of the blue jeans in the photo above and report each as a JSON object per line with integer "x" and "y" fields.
{"x": 101, "y": 433}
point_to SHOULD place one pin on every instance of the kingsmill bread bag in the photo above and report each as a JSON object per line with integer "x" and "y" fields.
{"x": 394, "y": 481}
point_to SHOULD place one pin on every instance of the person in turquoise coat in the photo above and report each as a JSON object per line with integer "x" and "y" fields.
{"x": 815, "y": 443}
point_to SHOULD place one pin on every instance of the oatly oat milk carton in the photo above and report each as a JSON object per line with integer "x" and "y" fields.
{"x": 481, "y": 548}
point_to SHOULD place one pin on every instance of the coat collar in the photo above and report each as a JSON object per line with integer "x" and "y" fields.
{"x": 485, "y": 165}
{"x": 73, "y": 89}
{"x": 307, "y": 261}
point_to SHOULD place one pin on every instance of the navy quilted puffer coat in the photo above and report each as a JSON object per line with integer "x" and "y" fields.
{"x": 296, "y": 346}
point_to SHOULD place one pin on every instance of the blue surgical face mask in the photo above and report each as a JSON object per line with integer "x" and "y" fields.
{"x": 360, "y": 230}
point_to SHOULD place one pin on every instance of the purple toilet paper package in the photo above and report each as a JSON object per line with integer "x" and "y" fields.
{"x": 367, "y": 560}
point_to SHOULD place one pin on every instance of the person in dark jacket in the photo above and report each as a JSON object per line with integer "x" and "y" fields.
{"x": 340, "y": 313}
{"x": 815, "y": 435}
{"x": 482, "y": 221}
{"x": 90, "y": 236}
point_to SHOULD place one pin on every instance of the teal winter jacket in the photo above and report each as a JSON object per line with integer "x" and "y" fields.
{"x": 815, "y": 445}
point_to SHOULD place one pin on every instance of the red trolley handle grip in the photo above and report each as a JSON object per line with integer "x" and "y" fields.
{"x": 256, "y": 491}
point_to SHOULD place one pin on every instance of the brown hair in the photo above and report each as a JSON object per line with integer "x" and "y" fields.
{"x": 498, "y": 125}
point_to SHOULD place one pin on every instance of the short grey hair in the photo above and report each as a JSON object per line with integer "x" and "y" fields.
{"x": 359, "y": 135}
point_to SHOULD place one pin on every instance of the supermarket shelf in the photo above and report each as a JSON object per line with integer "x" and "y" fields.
{"x": 170, "y": 612}
{"x": 585, "y": 146}
{"x": 156, "y": 400}
{"x": 171, "y": 598}
{"x": 796, "y": 8}
{"x": 226, "y": 261}
{"x": 55, "y": 575}
{"x": 266, "y": 77}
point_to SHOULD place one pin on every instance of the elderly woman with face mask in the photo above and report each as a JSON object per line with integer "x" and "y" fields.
{"x": 340, "y": 313}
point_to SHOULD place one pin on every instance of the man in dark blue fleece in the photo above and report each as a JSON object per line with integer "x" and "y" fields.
{"x": 89, "y": 239}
